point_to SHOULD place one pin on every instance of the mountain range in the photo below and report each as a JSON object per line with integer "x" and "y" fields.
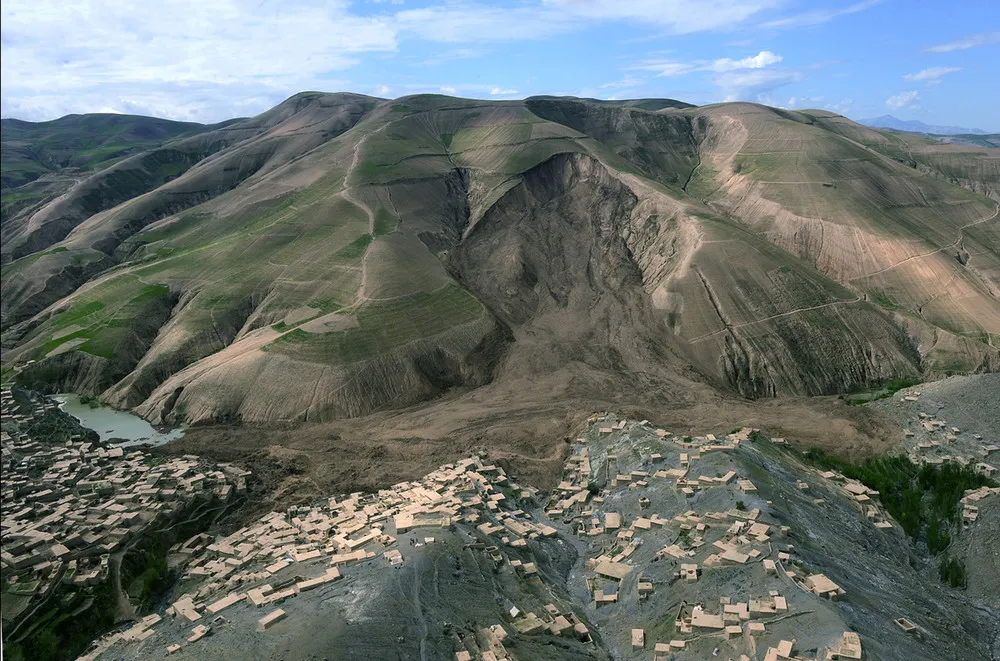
{"x": 916, "y": 126}
{"x": 340, "y": 255}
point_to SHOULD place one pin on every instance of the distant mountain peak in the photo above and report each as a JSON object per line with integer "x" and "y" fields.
{"x": 915, "y": 126}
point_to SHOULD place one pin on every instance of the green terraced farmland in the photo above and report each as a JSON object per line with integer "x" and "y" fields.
{"x": 383, "y": 326}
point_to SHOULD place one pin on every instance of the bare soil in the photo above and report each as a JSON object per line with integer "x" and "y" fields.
{"x": 525, "y": 428}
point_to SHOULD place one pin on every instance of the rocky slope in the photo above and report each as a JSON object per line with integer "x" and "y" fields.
{"x": 340, "y": 255}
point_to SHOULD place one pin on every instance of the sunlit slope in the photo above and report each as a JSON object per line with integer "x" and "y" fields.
{"x": 910, "y": 243}
{"x": 364, "y": 254}
{"x": 66, "y": 241}
{"x": 974, "y": 165}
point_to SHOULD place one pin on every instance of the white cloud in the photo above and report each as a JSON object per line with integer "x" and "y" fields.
{"x": 754, "y": 84}
{"x": 445, "y": 89}
{"x": 931, "y": 75}
{"x": 382, "y": 90}
{"x": 677, "y": 16}
{"x": 903, "y": 99}
{"x": 746, "y": 79}
{"x": 467, "y": 22}
{"x": 190, "y": 59}
{"x": 964, "y": 43}
{"x": 803, "y": 102}
{"x": 452, "y": 55}
{"x": 668, "y": 67}
{"x": 462, "y": 23}
{"x": 842, "y": 107}
{"x": 181, "y": 59}
{"x": 674, "y": 68}
{"x": 499, "y": 91}
{"x": 624, "y": 83}
{"x": 818, "y": 16}
{"x": 762, "y": 59}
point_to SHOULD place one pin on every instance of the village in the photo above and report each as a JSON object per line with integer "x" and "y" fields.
{"x": 67, "y": 508}
{"x": 934, "y": 441}
{"x": 682, "y": 556}
{"x": 616, "y": 499}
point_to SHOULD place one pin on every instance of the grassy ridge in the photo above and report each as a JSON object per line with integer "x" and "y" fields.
{"x": 83, "y": 141}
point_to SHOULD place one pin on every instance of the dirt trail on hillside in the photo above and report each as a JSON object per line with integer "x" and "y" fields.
{"x": 950, "y": 246}
{"x": 776, "y": 316}
{"x": 347, "y": 195}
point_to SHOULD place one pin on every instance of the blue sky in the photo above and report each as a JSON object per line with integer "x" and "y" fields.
{"x": 208, "y": 60}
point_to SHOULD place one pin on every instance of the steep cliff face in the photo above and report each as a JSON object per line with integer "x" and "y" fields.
{"x": 341, "y": 255}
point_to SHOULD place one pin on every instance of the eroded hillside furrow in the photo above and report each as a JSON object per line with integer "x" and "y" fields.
{"x": 176, "y": 346}
{"x": 662, "y": 145}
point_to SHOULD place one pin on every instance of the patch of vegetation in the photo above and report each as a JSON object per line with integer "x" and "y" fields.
{"x": 58, "y": 635}
{"x": 58, "y": 427}
{"x": 77, "y": 313}
{"x": 154, "y": 577}
{"x": 356, "y": 248}
{"x": 888, "y": 389}
{"x": 952, "y": 572}
{"x": 741, "y": 506}
{"x": 55, "y": 343}
{"x": 883, "y": 300}
{"x": 384, "y": 223}
{"x": 92, "y": 402}
{"x": 702, "y": 183}
{"x": 923, "y": 499}
{"x": 151, "y": 291}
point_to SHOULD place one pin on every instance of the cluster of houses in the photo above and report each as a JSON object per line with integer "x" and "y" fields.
{"x": 37, "y": 407}
{"x": 942, "y": 442}
{"x": 66, "y": 507}
{"x": 863, "y": 498}
{"x": 970, "y": 511}
{"x": 285, "y": 554}
{"x": 737, "y": 537}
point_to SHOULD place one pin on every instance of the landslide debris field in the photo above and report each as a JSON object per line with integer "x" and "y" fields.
{"x": 342, "y": 255}
{"x": 652, "y": 545}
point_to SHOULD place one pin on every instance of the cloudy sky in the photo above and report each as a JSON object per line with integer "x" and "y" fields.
{"x": 208, "y": 60}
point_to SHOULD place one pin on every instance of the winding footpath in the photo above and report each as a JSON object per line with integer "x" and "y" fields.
{"x": 961, "y": 235}
{"x": 775, "y": 316}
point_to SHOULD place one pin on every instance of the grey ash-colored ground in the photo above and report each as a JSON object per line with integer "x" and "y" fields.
{"x": 971, "y": 403}
{"x": 446, "y": 594}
